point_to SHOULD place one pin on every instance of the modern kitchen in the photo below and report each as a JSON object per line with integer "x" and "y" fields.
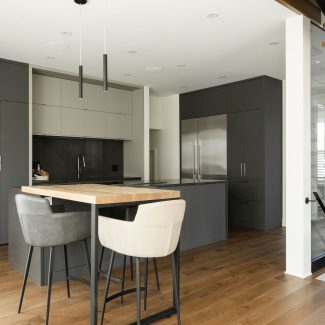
{"x": 133, "y": 189}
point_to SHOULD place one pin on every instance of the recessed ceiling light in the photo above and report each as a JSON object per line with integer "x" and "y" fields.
{"x": 212, "y": 15}
{"x": 223, "y": 77}
{"x": 127, "y": 74}
{"x": 50, "y": 57}
{"x": 132, "y": 51}
{"x": 57, "y": 46}
{"x": 316, "y": 62}
{"x": 66, "y": 33}
{"x": 181, "y": 65}
{"x": 273, "y": 43}
{"x": 153, "y": 69}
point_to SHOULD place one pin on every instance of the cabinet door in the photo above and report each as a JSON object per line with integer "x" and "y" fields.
{"x": 252, "y": 190}
{"x": 246, "y": 214}
{"x": 94, "y": 98}
{"x": 192, "y": 104}
{"x": 14, "y": 151}
{"x": 46, "y": 90}
{"x": 83, "y": 123}
{"x": 119, "y": 101}
{"x": 13, "y": 81}
{"x": 46, "y": 120}
{"x": 254, "y": 144}
{"x": 235, "y": 145}
{"x": 118, "y": 126}
{"x": 70, "y": 94}
{"x": 235, "y": 97}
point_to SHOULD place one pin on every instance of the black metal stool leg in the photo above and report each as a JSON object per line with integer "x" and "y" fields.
{"x": 137, "y": 272}
{"x": 49, "y": 288}
{"x": 87, "y": 255}
{"x": 145, "y": 283}
{"x": 156, "y": 273}
{"x": 29, "y": 258}
{"x": 101, "y": 258}
{"x": 175, "y": 288}
{"x": 123, "y": 277}
{"x": 131, "y": 267}
{"x": 66, "y": 268}
{"x": 108, "y": 280}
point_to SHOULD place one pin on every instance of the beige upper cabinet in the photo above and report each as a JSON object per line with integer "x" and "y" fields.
{"x": 119, "y": 101}
{"x": 46, "y": 90}
{"x": 118, "y": 126}
{"x": 46, "y": 120}
{"x": 83, "y": 123}
{"x": 70, "y": 94}
{"x": 93, "y": 96}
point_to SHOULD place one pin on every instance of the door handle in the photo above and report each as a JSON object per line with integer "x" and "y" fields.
{"x": 244, "y": 169}
{"x": 0, "y": 163}
{"x": 241, "y": 169}
{"x": 194, "y": 147}
{"x": 199, "y": 160}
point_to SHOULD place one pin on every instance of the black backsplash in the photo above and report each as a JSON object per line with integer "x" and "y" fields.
{"x": 58, "y": 156}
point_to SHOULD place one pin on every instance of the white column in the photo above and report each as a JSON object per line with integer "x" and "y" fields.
{"x": 297, "y": 173}
{"x": 146, "y": 128}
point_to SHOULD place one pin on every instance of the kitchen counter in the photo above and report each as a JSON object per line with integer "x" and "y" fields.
{"x": 86, "y": 180}
{"x": 177, "y": 182}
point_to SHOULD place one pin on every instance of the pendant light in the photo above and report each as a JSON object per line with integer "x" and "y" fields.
{"x": 105, "y": 50}
{"x": 80, "y": 3}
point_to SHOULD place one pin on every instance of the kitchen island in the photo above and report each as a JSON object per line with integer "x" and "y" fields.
{"x": 205, "y": 222}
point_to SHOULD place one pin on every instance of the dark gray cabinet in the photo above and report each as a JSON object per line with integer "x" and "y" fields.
{"x": 245, "y": 145}
{"x": 13, "y": 81}
{"x": 14, "y": 135}
{"x": 254, "y": 146}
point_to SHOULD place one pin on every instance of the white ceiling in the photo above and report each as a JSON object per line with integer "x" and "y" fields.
{"x": 165, "y": 33}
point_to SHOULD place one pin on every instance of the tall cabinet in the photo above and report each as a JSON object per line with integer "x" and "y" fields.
{"x": 254, "y": 146}
{"x": 14, "y": 135}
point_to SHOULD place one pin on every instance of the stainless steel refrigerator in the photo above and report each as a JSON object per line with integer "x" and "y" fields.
{"x": 204, "y": 148}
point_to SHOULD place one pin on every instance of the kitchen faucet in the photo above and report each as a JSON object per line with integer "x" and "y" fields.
{"x": 79, "y": 169}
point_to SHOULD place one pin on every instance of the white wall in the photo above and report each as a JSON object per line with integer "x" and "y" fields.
{"x": 136, "y": 152}
{"x": 164, "y": 135}
{"x": 298, "y": 147}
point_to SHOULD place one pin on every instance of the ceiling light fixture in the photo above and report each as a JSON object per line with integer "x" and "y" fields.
{"x": 181, "y": 65}
{"x": 273, "y": 43}
{"x": 132, "y": 52}
{"x": 105, "y": 51}
{"x": 223, "y": 77}
{"x": 316, "y": 62}
{"x": 66, "y": 33}
{"x": 80, "y": 3}
{"x": 153, "y": 69}
{"x": 50, "y": 57}
{"x": 127, "y": 74}
{"x": 57, "y": 46}
{"x": 212, "y": 15}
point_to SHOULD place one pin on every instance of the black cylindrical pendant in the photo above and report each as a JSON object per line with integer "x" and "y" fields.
{"x": 105, "y": 72}
{"x": 80, "y": 81}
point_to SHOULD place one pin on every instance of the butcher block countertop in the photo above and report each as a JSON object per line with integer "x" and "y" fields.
{"x": 101, "y": 194}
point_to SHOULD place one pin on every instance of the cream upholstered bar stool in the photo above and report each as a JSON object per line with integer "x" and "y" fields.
{"x": 154, "y": 233}
{"x": 43, "y": 228}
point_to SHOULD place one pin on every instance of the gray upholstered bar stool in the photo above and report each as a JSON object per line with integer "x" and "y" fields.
{"x": 43, "y": 228}
{"x": 154, "y": 232}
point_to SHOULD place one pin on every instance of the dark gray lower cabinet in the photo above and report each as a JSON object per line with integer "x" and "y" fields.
{"x": 14, "y": 155}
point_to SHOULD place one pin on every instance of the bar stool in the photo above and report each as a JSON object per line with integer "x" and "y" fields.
{"x": 43, "y": 228}
{"x": 154, "y": 232}
{"x": 127, "y": 214}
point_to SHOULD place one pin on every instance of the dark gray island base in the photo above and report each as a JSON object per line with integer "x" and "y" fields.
{"x": 205, "y": 222}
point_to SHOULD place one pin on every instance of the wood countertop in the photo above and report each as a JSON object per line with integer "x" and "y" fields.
{"x": 101, "y": 194}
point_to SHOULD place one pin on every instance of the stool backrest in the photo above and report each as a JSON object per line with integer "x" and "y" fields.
{"x": 154, "y": 232}
{"x": 29, "y": 208}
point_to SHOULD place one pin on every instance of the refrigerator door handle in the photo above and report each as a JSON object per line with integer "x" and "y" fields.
{"x": 194, "y": 159}
{"x": 241, "y": 169}
{"x": 199, "y": 160}
{"x": 244, "y": 169}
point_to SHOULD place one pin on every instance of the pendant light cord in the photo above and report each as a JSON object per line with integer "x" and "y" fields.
{"x": 105, "y": 28}
{"x": 80, "y": 35}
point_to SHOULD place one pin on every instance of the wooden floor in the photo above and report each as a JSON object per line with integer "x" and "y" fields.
{"x": 239, "y": 281}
